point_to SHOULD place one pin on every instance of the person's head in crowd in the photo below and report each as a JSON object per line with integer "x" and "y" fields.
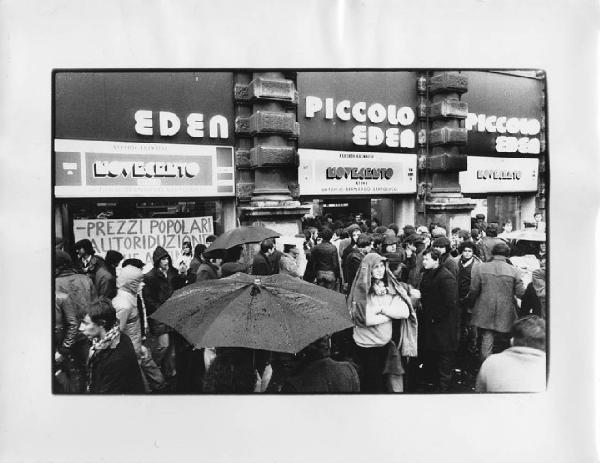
{"x": 113, "y": 258}
{"x": 431, "y": 259}
{"x": 62, "y": 261}
{"x": 530, "y": 332}
{"x": 394, "y": 227}
{"x": 390, "y": 243}
{"x": 338, "y": 224}
{"x": 408, "y": 230}
{"x": 267, "y": 246}
{"x": 233, "y": 254}
{"x": 492, "y": 230}
{"x": 380, "y": 230}
{"x": 199, "y": 250}
{"x": 438, "y": 232}
{"x": 501, "y": 249}
{"x": 462, "y": 236}
{"x": 475, "y": 234}
{"x": 100, "y": 318}
{"x": 84, "y": 249}
{"x": 354, "y": 232}
{"x": 479, "y": 218}
{"x": 375, "y": 223}
{"x": 467, "y": 250}
{"x": 377, "y": 241}
{"x": 210, "y": 239}
{"x": 307, "y": 234}
{"x": 537, "y": 217}
{"x": 433, "y": 226}
{"x": 364, "y": 242}
{"x": 424, "y": 231}
{"x": 314, "y": 233}
{"x": 215, "y": 257}
{"x": 291, "y": 249}
{"x": 328, "y": 218}
{"x": 130, "y": 278}
{"x": 137, "y": 263}
{"x": 337, "y": 233}
{"x": 231, "y": 372}
{"x": 326, "y": 235}
{"x": 316, "y": 350}
{"x": 441, "y": 245}
{"x": 186, "y": 248}
{"x": 507, "y": 227}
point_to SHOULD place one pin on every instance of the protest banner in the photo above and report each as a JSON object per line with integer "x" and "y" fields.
{"x": 138, "y": 238}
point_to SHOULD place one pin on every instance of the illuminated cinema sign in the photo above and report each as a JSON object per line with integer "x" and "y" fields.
{"x": 356, "y": 110}
{"x": 87, "y": 168}
{"x": 324, "y": 172}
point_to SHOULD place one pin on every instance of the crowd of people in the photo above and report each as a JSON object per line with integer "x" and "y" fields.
{"x": 434, "y": 310}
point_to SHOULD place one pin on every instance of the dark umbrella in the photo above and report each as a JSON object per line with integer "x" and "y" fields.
{"x": 277, "y": 312}
{"x": 241, "y": 235}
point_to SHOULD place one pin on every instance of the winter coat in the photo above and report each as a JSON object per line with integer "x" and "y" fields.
{"x": 78, "y": 286}
{"x": 207, "y": 271}
{"x": 158, "y": 288}
{"x": 324, "y": 257}
{"x": 440, "y": 317}
{"x": 193, "y": 270}
{"x": 66, "y": 323}
{"x": 464, "y": 280}
{"x": 104, "y": 281}
{"x": 266, "y": 265}
{"x": 352, "y": 265}
{"x": 517, "y": 369}
{"x": 447, "y": 261}
{"x": 324, "y": 376}
{"x": 486, "y": 245}
{"x": 115, "y": 370}
{"x": 494, "y": 286}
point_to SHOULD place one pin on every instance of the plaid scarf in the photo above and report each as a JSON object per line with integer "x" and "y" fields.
{"x": 111, "y": 340}
{"x": 107, "y": 341}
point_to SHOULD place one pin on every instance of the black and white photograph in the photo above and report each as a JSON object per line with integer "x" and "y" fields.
{"x": 289, "y": 231}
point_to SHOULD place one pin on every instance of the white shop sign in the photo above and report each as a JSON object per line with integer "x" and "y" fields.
{"x": 326, "y": 172}
{"x": 499, "y": 175}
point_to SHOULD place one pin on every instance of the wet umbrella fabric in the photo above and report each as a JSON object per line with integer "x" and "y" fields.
{"x": 526, "y": 235}
{"x": 277, "y": 312}
{"x": 241, "y": 235}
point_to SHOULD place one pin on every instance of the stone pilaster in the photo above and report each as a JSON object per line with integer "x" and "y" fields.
{"x": 270, "y": 124}
{"x": 446, "y": 135}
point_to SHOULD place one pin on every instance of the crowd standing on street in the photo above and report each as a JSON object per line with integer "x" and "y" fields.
{"x": 434, "y": 310}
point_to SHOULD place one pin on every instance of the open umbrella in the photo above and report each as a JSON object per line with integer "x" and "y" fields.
{"x": 241, "y": 235}
{"x": 527, "y": 235}
{"x": 277, "y": 312}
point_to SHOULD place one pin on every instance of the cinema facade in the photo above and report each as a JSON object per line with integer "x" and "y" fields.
{"x": 143, "y": 158}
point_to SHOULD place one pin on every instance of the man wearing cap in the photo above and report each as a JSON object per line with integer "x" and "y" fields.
{"x": 480, "y": 222}
{"x": 494, "y": 286}
{"x": 442, "y": 244}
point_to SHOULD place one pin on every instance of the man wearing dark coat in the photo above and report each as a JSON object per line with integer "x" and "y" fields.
{"x": 440, "y": 320}
{"x": 95, "y": 267}
{"x": 494, "y": 286}
{"x": 266, "y": 262}
{"x": 112, "y": 366}
{"x": 159, "y": 284}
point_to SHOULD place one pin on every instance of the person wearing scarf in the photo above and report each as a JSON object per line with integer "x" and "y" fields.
{"x": 112, "y": 364}
{"x": 385, "y": 328}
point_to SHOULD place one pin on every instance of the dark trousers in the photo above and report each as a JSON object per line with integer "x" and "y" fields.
{"x": 371, "y": 363}
{"x": 189, "y": 364}
{"x": 438, "y": 368}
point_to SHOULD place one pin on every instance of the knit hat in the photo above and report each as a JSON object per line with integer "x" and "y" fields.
{"x": 389, "y": 240}
{"x": 480, "y": 216}
{"x": 438, "y": 232}
{"x": 440, "y": 242}
{"x": 422, "y": 230}
{"x": 113, "y": 257}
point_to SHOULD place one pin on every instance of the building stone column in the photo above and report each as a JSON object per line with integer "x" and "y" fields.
{"x": 267, "y": 154}
{"x": 443, "y": 201}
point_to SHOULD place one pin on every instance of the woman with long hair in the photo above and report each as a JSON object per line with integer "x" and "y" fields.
{"x": 385, "y": 330}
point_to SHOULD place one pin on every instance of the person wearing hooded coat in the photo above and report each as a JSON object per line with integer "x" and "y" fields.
{"x": 385, "y": 328}
{"x": 126, "y": 307}
{"x": 159, "y": 284}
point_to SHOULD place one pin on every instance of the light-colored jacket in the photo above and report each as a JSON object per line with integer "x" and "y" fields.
{"x": 494, "y": 286}
{"x": 517, "y": 369}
